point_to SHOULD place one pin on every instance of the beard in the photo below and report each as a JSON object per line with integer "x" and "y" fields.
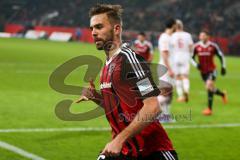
{"x": 100, "y": 44}
{"x": 105, "y": 44}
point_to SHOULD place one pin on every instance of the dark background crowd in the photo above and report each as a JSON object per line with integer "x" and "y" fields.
{"x": 220, "y": 17}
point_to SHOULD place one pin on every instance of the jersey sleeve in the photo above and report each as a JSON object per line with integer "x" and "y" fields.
{"x": 190, "y": 40}
{"x": 220, "y": 55}
{"x": 136, "y": 72}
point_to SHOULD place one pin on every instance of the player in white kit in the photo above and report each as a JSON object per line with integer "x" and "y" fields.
{"x": 166, "y": 79}
{"x": 181, "y": 44}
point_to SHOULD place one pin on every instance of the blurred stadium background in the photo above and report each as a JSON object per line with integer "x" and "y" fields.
{"x": 28, "y": 123}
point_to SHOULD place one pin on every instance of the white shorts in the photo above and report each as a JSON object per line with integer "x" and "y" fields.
{"x": 180, "y": 68}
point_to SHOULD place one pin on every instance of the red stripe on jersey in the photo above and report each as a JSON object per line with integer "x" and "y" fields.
{"x": 143, "y": 49}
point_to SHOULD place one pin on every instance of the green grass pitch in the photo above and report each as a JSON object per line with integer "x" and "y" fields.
{"x": 27, "y": 101}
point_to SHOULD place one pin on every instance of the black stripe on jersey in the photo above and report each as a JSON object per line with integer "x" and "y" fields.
{"x": 133, "y": 55}
{"x": 134, "y": 62}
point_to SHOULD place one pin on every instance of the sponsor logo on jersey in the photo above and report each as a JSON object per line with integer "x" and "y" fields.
{"x": 105, "y": 85}
{"x": 204, "y": 53}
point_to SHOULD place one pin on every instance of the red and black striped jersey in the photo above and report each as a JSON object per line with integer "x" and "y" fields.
{"x": 125, "y": 82}
{"x": 144, "y": 49}
{"x": 206, "y": 53}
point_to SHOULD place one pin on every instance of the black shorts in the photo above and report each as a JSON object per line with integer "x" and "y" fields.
{"x": 160, "y": 155}
{"x": 209, "y": 76}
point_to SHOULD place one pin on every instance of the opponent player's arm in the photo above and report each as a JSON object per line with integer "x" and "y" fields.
{"x": 165, "y": 56}
{"x": 193, "y": 61}
{"x": 191, "y": 44}
{"x": 190, "y": 48}
{"x": 164, "y": 47}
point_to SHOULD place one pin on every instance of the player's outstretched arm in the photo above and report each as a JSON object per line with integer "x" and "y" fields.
{"x": 90, "y": 93}
{"x": 145, "y": 116}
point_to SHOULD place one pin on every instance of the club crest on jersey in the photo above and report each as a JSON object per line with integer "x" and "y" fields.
{"x": 105, "y": 85}
{"x": 111, "y": 68}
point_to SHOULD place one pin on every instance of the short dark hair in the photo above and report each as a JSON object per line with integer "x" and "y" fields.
{"x": 114, "y": 12}
{"x": 142, "y": 33}
{"x": 205, "y": 31}
{"x": 170, "y": 22}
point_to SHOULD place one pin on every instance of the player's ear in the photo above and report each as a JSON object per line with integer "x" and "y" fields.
{"x": 117, "y": 28}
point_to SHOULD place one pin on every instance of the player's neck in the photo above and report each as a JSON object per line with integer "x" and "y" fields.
{"x": 168, "y": 31}
{"x": 110, "y": 53}
{"x": 205, "y": 42}
{"x": 179, "y": 30}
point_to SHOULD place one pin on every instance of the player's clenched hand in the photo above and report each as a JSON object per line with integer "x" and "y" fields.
{"x": 113, "y": 148}
{"x": 223, "y": 71}
{"x": 198, "y": 66}
{"x": 87, "y": 93}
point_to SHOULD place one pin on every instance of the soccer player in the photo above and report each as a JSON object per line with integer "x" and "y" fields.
{"x": 143, "y": 47}
{"x": 206, "y": 50}
{"x": 128, "y": 94}
{"x": 182, "y": 44}
{"x": 165, "y": 60}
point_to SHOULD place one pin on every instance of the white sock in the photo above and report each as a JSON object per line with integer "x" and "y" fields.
{"x": 186, "y": 85}
{"x": 179, "y": 88}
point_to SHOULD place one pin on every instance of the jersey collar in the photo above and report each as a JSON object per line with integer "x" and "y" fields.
{"x": 114, "y": 55}
{"x": 205, "y": 45}
{"x": 142, "y": 43}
